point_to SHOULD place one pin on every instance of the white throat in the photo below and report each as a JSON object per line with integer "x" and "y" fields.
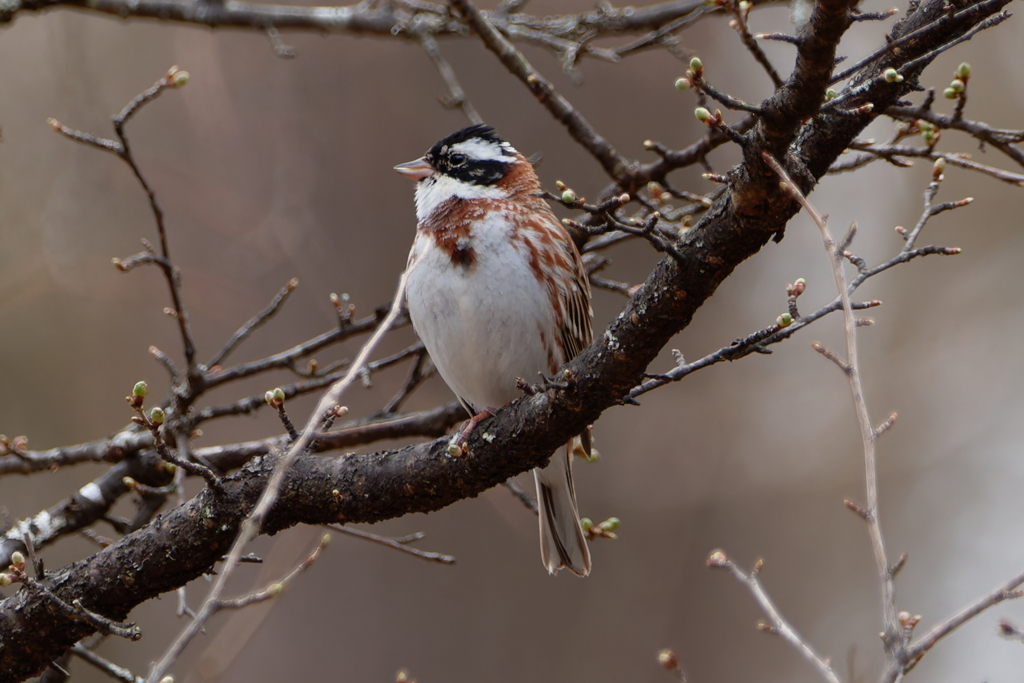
{"x": 438, "y": 188}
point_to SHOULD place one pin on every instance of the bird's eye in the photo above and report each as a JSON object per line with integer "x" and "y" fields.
{"x": 458, "y": 160}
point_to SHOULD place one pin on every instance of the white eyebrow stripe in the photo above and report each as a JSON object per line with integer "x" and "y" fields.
{"x": 483, "y": 150}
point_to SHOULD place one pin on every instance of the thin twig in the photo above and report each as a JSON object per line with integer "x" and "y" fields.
{"x": 778, "y": 625}
{"x": 456, "y": 96}
{"x": 250, "y": 526}
{"x": 867, "y": 431}
{"x": 1007, "y": 591}
{"x": 113, "y": 670}
{"x": 579, "y": 128}
{"x": 522, "y": 495}
{"x": 396, "y": 543}
{"x": 245, "y": 330}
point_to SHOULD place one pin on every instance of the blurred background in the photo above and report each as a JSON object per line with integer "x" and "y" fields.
{"x": 269, "y": 169}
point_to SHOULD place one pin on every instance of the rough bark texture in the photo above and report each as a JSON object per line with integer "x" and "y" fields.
{"x": 186, "y": 542}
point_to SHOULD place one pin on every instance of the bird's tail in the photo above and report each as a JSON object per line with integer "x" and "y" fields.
{"x": 562, "y": 542}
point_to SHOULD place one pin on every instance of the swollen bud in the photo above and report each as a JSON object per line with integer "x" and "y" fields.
{"x": 17, "y": 557}
{"x": 568, "y": 197}
{"x": 140, "y": 390}
{"x": 6, "y": 580}
{"x": 950, "y": 94}
{"x": 157, "y": 415}
{"x": 696, "y": 65}
{"x": 892, "y": 76}
{"x": 683, "y": 84}
{"x": 703, "y": 115}
{"x": 668, "y": 660}
{"x": 784, "y": 320}
{"x": 176, "y": 77}
{"x": 963, "y": 71}
{"x": 957, "y": 84}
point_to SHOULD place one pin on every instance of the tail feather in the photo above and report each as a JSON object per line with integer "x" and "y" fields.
{"x": 562, "y": 542}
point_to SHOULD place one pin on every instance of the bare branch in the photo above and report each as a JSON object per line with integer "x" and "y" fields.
{"x": 779, "y": 625}
{"x": 263, "y": 316}
{"x": 867, "y": 432}
{"x": 396, "y": 543}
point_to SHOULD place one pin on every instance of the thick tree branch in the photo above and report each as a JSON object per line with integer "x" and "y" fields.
{"x": 187, "y": 541}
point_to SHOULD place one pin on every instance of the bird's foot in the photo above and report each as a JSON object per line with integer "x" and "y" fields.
{"x": 457, "y": 446}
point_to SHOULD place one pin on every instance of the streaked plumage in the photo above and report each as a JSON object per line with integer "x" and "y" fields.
{"x": 497, "y": 291}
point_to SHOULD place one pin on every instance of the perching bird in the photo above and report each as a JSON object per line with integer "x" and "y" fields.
{"x": 497, "y": 291}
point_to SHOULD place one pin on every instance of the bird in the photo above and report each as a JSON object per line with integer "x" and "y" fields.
{"x": 497, "y": 291}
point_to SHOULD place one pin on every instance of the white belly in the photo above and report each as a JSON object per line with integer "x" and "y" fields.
{"x": 483, "y": 325}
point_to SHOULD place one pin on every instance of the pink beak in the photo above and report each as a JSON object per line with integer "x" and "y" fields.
{"x": 417, "y": 170}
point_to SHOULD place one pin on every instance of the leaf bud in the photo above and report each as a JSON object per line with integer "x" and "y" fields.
{"x": 957, "y": 84}
{"x": 568, "y": 197}
{"x": 6, "y": 580}
{"x": 950, "y": 94}
{"x": 717, "y": 558}
{"x": 703, "y": 115}
{"x": 784, "y": 320}
{"x": 668, "y": 660}
{"x": 963, "y": 72}
{"x": 696, "y": 65}
{"x": 157, "y": 415}
{"x": 683, "y": 84}
{"x": 140, "y": 390}
{"x": 176, "y": 77}
{"x": 17, "y": 557}
{"x": 892, "y": 76}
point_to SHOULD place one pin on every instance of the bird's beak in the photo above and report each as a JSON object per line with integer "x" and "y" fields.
{"x": 417, "y": 170}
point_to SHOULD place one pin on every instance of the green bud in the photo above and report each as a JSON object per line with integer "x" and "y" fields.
{"x": 683, "y": 84}
{"x": 892, "y": 76}
{"x": 128, "y": 482}
{"x": 950, "y": 94}
{"x": 178, "y": 78}
{"x": 696, "y": 64}
{"x": 17, "y": 557}
{"x": 568, "y": 197}
{"x": 140, "y": 390}
{"x": 957, "y": 85}
{"x": 830, "y": 95}
{"x": 784, "y": 320}
{"x": 586, "y": 524}
{"x": 325, "y": 540}
{"x": 157, "y": 415}
{"x": 939, "y": 165}
{"x": 610, "y": 524}
{"x": 275, "y": 590}
{"x": 963, "y": 71}
{"x": 703, "y": 115}
{"x": 6, "y": 580}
